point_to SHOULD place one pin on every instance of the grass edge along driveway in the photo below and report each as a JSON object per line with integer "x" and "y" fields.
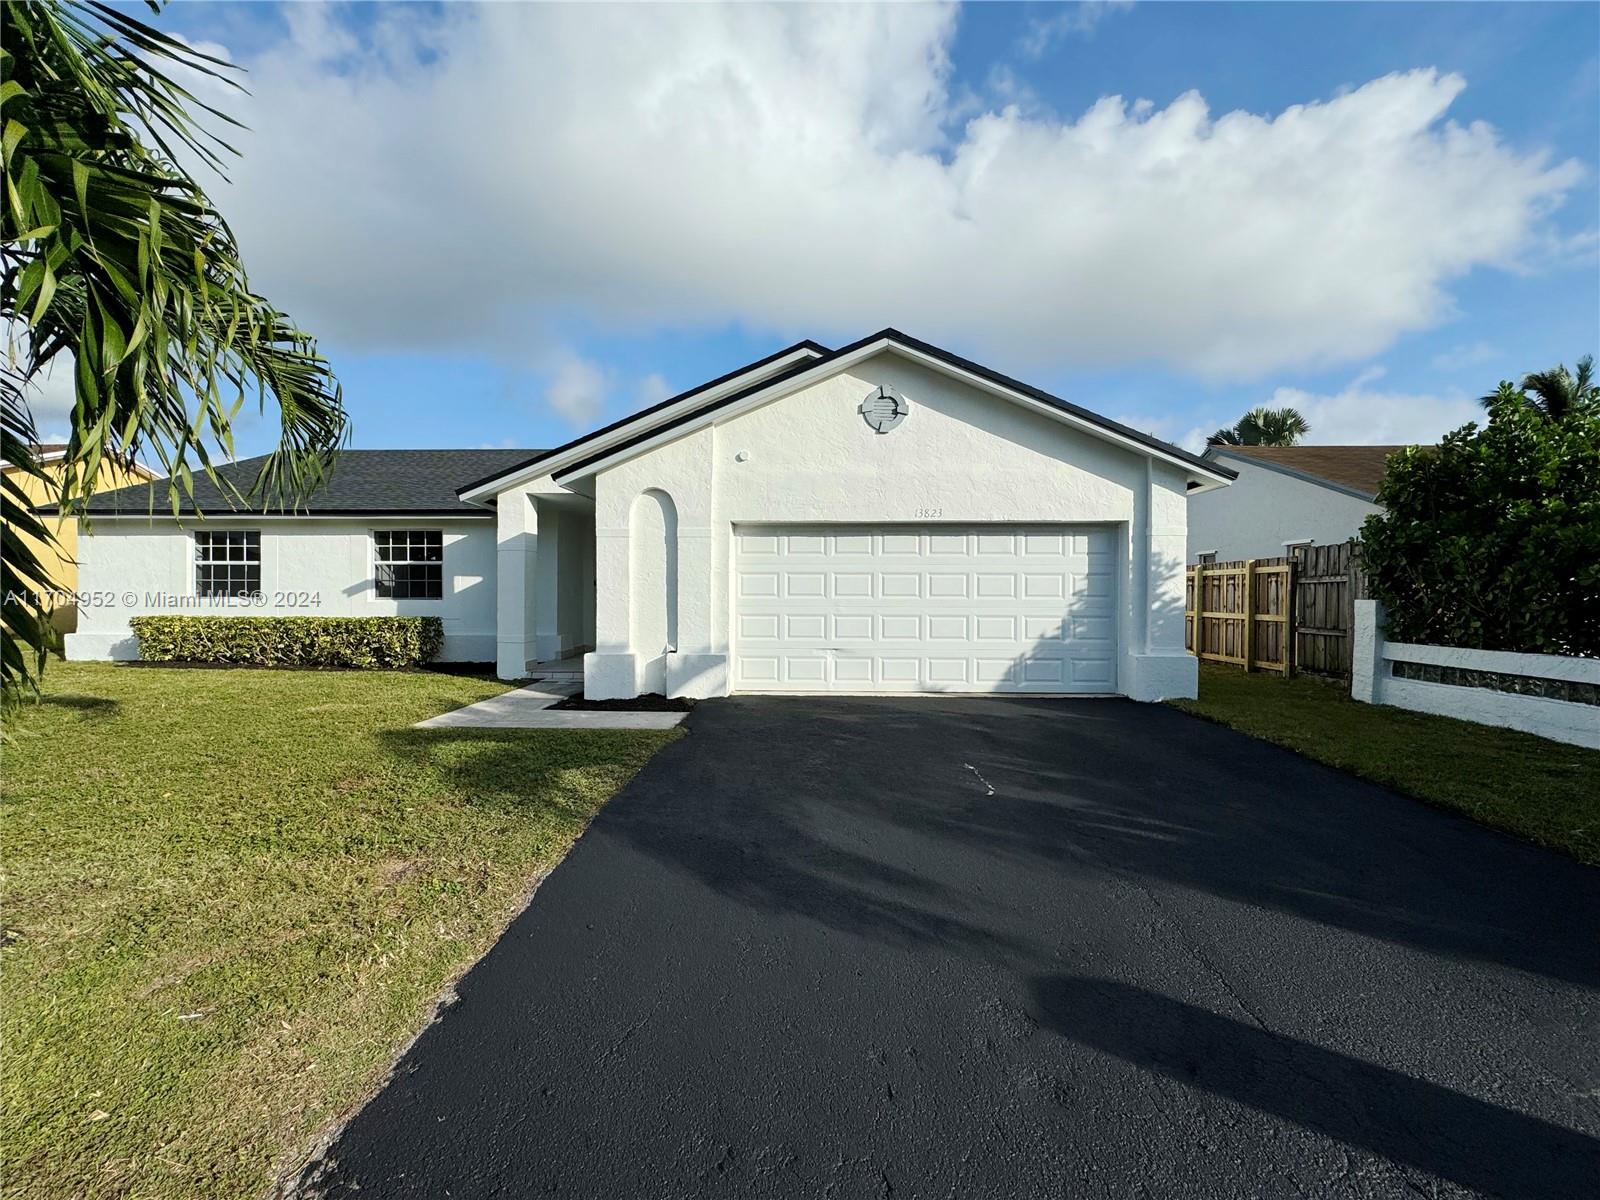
{"x": 1545, "y": 791}
{"x": 231, "y": 896}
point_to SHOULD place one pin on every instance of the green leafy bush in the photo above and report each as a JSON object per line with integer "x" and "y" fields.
{"x": 290, "y": 641}
{"x": 1491, "y": 540}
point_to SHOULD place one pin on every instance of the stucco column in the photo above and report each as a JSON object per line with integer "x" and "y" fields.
{"x": 1166, "y": 550}
{"x": 516, "y": 554}
{"x": 547, "y": 583}
{"x": 610, "y": 670}
{"x": 1366, "y": 653}
{"x": 695, "y": 670}
{"x": 1160, "y": 667}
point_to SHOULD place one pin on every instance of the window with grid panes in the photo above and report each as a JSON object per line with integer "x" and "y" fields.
{"x": 227, "y": 562}
{"x": 409, "y": 564}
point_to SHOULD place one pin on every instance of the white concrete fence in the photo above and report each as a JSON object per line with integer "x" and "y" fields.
{"x": 1503, "y": 688}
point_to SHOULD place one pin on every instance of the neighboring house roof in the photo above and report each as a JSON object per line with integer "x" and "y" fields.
{"x": 49, "y": 452}
{"x": 361, "y": 483}
{"x": 1355, "y": 469}
{"x": 570, "y": 460}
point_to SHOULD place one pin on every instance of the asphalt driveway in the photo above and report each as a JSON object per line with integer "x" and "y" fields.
{"x": 1010, "y": 948}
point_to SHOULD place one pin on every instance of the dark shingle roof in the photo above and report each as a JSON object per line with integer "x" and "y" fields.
{"x": 362, "y": 482}
{"x": 1359, "y": 468}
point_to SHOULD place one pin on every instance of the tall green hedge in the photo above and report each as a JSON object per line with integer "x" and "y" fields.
{"x": 1491, "y": 540}
{"x": 290, "y": 641}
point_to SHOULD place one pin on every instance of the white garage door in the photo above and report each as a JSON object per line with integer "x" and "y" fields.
{"x": 982, "y": 608}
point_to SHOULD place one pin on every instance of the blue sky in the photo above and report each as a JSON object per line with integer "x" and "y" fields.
{"x": 510, "y": 223}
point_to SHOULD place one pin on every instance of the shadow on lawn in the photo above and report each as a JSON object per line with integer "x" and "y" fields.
{"x": 89, "y": 706}
{"x": 513, "y": 767}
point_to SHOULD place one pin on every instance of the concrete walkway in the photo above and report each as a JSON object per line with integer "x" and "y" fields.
{"x": 530, "y": 708}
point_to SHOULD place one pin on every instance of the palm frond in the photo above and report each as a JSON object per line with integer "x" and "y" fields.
{"x": 113, "y": 256}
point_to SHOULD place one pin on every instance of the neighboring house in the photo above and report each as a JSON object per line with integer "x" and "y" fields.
{"x": 1284, "y": 496}
{"x": 60, "y": 557}
{"x": 885, "y": 517}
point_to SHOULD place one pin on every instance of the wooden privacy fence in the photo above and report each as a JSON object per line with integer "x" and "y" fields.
{"x": 1328, "y": 581}
{"x": 1276, "y": 614}
{"x": 1238, "y": 612}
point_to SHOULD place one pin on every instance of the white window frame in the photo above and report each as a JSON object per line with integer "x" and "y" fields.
{"x": 195, "y": 564}
{"x": 375, "y": 562}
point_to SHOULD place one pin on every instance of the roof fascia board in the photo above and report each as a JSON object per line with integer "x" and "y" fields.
{"x": 1303, "y": 476}
{"x": 554, "y": 461}
{"x": 843, "y": 360}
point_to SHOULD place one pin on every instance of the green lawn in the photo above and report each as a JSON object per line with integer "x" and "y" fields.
{"x": 230, "y": 897}
{"x": 1538, "y": 789}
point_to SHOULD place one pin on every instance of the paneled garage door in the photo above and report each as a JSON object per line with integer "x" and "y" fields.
{"x": 981, "y": 608}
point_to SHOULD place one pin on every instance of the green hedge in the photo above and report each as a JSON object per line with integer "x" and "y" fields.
{"x": 1491, "y": 539}
{"x": 290, "y": 641}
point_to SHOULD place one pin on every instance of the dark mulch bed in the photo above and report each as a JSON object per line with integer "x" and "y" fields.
{"x": 654, "y": 702}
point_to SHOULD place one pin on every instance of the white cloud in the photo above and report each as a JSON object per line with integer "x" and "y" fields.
{"x": 1177, "y": 428}
{"x": 51, "y": 394}
{"x": 1465, "y": 356}
{"x": 577, "y": 390}
{"x": 51, "y": 397}
{"x": 481, "y": 177}
{"x": 1044, "y": 33}
{"x": 1358, "y": 415}
{"x": 652, "y": 390}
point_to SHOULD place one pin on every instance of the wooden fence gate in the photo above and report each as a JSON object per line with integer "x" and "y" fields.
{"x": 1276, "y": 614}
{"x": 1238, "y": 612}
{"x": 1327, "y": 583}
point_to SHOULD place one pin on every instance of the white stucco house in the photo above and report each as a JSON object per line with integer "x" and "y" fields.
{"x": 882, "y": 517}
{"x": 1284, "y": 496}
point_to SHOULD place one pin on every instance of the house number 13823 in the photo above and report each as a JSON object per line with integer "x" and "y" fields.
{"x": 929, "y": 514}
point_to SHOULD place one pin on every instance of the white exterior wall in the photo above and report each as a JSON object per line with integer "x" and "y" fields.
{"x": 331, "y": 559}
{"x": 1264, "y": 509}
{"x": 1372, "y": 682}
{"x": 960, "y": 456}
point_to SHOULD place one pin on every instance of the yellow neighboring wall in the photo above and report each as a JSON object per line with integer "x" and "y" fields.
{"x": 61, "y": 560}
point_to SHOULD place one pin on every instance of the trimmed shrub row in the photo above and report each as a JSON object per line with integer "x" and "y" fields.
{"x": 290, "y": 641}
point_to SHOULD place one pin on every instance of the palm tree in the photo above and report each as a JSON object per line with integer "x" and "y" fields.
{"x": 113, "y": 261}
{"x": 1556, "y": 393}
{"x": 1264, "y": 427}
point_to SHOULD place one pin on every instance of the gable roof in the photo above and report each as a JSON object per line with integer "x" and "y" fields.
{"x": 361, "y": 483}
{"x": 1354, "y": 469}
{"x": 632, "y": 434}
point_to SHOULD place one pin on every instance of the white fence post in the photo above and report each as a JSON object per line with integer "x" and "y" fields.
{"x": 1366, "y": 652}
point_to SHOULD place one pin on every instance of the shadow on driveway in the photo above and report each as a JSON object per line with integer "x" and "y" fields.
{"x": 1484, "y": 1147}
{"x": 1005, "y": 948}
{"x": 1141, "y": 790}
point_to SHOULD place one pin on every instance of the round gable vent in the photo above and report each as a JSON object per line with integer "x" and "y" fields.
{"x": 884, "y": 408}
